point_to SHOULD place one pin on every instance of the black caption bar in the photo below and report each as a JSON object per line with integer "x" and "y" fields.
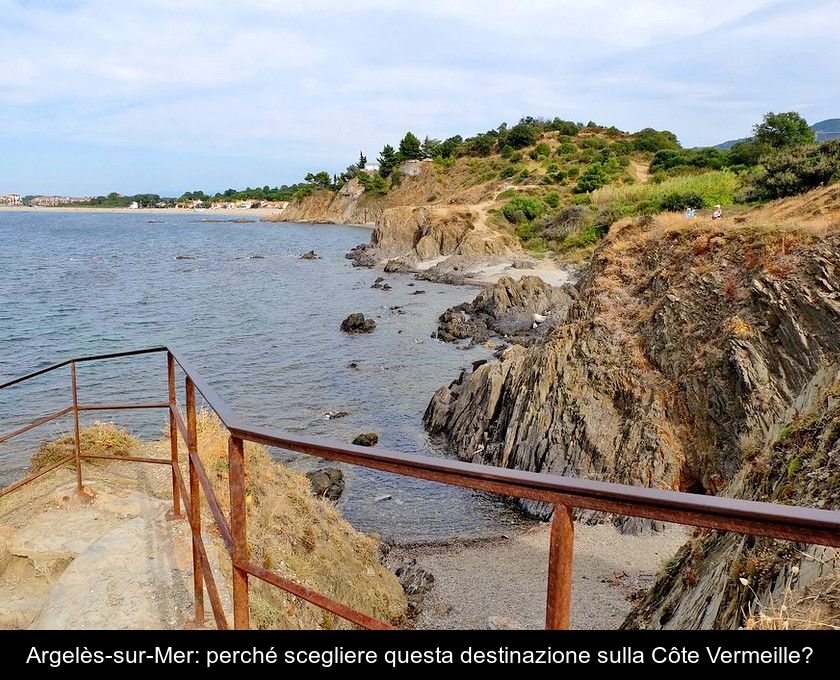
{"x": 54, "y": 652}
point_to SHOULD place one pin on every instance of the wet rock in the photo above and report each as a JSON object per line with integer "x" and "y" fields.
{"x": 522, "y": 311}
{"x": 362, "y": 256}
{"x": 335, "y": 415}
{"x": 311, "y": 255}
{"x": 366, "y": 439}
{"x": 357, "y": 323}
{"x": 354, "y": 365}
{"x": 256, "y": 257}
{"x": 327, "y": 483}
{"x": 377, "y": 282}
{"x": 398, "y": 265}
{"x": 418, "y": 292}
{"x": 184, "y": 257}
{"x": 386, "y": 286}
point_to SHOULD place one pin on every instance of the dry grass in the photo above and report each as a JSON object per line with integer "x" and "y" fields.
{"x": 300, "y": 537}
{"x": 815, "y": 607}
{"x": 99, "y": 439}
{"x": 289, "y": 530}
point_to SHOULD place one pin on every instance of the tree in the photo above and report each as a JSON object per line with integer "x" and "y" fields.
{"x": 388, "y": 160}
{"x": 521, "y": 135}
{"x": 410, "y": 148}
{"x": 320, "y": 179}
{"x": 592, "y": 178}
{"x": 362, "y": 162}
{"x": 780, "y": 130}
{"x": 450, "y": 146}
{"x": 431, "y": 147}
{"x": 654, "y": 140}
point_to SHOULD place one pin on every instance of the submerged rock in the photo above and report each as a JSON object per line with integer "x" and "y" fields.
{"x": 357, "y": 323}
{"x": 366, "y": 439}
{"x": 327, "y": 483}
{"x": 311, "y": 255}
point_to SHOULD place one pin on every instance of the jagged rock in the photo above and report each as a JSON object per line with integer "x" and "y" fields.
{"x": 327, "y": 483}
{"x": 335, "y": 415}
{"x": 311, "y": 255}
{"x": 510, "y": 309}
{"x": 399, "y": 265}
{"x": 377, "y": 282}
{"x": 386, "y": 286}
{"x": 717, "y": 578}
{"x": 415, "y": 580}
{"x": 357, "y": 323}
{"x": 366, "y": 439}
{"x": 667, "y": 363}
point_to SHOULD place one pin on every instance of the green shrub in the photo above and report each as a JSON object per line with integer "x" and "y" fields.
{"x": 542, "y": 150}
{"x": 573, "y": 171}
{"x": 521, "y": 136}
{"x": 529, "y": 206}
{"x": 566, "y": 149}
{"x": 552, "y": 199}
{"x": 525, "y": 174}
{"x": 509, "y": 171}
{"x": 798, "y": 169}
{"x": 507, "y": 151}
{"x": 516, "y": 157}
{"x": 594, "y": 177}
{"x": 681, "y": 200}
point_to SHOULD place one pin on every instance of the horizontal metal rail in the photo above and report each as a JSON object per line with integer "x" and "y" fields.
{"x": 785, "y": 522}
{"x": 37, "y": 423}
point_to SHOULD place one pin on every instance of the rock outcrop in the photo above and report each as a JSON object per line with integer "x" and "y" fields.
{"x": 357, "y": 323}
{"x": 719, "y": 580}
{"x": 686, "y": 345}
{"x": 521, "y": 311}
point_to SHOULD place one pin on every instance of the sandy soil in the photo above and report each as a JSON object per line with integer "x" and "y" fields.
{"x": 211, "y": 212}
{"x": 507, "y": 577}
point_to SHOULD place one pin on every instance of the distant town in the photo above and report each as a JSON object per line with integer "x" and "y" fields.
{"x": 133, "y": 202}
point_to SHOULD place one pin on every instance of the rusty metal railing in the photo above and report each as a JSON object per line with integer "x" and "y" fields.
{"x": 806, "y": 525}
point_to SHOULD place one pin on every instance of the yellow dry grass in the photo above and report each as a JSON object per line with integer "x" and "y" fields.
{"x": 290, "y": 531}
{"x": 300, "y": 537}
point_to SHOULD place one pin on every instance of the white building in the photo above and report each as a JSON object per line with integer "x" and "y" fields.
{"x": 10, "y": 199}
{"x": 371, "y": 167}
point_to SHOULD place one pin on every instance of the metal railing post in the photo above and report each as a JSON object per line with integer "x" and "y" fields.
{"x": 238, "y": 531}
{"x": 173, "y": 436}
{"x": 76, "y": 429}
{"x": 195, "y": 504}
{"x": 558, "y": 602}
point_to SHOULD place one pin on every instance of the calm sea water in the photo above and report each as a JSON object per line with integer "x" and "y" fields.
{"x": 258, "y": 322}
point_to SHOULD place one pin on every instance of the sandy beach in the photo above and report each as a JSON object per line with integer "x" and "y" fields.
{"x": 507, "y": 576}
{"x": 209, "y": 212}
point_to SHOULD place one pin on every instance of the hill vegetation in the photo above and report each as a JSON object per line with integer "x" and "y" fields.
{"x": 559, "y": 185}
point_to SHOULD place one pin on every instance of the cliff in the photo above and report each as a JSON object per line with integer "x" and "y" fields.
{"x": 720, "y": 580}
{"x": 691, "y": 343}
{"x": 429, "y": 215}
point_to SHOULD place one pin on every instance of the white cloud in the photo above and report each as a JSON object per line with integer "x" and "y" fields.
{"x": 315, "y": 81}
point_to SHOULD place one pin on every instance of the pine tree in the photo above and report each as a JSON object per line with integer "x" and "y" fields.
{"x": 388, "y": 160}
{"x": 362, "y": 162}
{"x": 410, "y": 148}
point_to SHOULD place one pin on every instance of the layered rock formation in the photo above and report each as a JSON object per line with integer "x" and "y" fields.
{"x": 522, "y": 311}
{"x": 687, "y": 346}
{"x": 719, "y": 580}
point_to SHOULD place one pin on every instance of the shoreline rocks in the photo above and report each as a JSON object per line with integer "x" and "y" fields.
{"x": 357, "y": 323}
{"x": 366, "y": 439}
{"x": 327, "y": 483}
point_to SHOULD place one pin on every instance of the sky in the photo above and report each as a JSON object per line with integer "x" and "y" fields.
{"x": 158, "y": 96}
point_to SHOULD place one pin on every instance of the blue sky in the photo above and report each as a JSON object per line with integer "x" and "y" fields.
{"x": 161, "y": 96}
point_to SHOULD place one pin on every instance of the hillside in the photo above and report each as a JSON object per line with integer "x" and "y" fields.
{"x": 690, "y": 344}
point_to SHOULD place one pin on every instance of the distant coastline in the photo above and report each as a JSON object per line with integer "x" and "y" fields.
{"x": 232, "y": 212}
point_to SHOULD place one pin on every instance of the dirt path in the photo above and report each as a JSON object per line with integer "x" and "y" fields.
{"x": 507, "y": 577}
{"x": 640, "y": 171}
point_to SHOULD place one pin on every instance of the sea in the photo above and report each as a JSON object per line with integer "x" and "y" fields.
{"x": 259, "y": 323}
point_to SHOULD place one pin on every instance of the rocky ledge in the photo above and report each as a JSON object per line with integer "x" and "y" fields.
{"x": 521, "y": 312}
{"x": 687, "y": 347}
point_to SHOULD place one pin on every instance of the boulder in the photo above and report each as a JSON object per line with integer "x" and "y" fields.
{"x": 357, "y": 323}
{"x": 327, "y": 483}
{"x": 366, "y": 439}
{"x": 311, "y": 255}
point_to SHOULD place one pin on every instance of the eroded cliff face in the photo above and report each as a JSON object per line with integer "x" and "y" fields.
{"x": 720, "y": 580}
{"x": 689, "y": 344}
{"x": 422, "y": 219}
